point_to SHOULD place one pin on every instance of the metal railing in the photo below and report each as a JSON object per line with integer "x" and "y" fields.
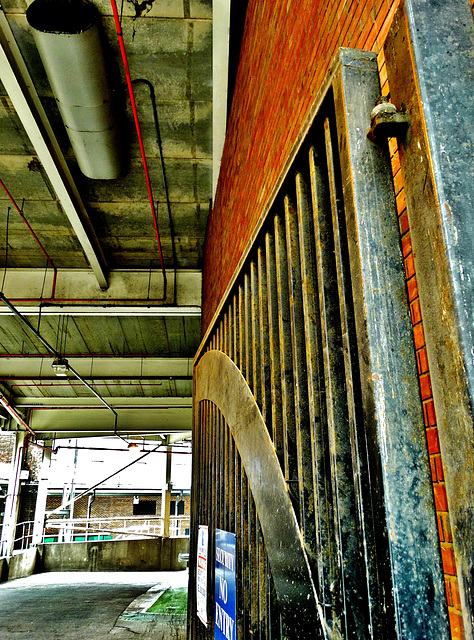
{"x": 113, "y": 528}
{"x": 57, "y": 530}
{"x": 23, "y": 535}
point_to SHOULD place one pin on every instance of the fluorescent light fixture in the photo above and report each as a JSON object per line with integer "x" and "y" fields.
{"x": 60, "y": 367}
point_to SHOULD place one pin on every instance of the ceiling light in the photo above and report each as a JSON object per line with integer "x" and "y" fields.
{"x": 60, "y": 367}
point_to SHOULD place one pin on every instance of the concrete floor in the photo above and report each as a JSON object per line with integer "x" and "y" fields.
{"x": 76, "y": 605}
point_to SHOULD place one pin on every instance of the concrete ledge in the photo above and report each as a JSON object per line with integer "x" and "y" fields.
{"x": 161, "y": 554}
{"x": 24, "y": 564}
{"x": 3, "y": 570}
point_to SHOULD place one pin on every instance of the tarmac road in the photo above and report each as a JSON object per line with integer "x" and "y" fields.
{"x": 74, "y": 605}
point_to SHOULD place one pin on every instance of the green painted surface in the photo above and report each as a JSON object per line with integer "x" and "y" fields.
{"x": 171, "y": 601}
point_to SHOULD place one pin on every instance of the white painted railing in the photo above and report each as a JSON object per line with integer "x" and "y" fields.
{"x": 116, "y": 528}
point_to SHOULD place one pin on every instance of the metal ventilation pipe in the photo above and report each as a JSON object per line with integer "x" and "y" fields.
{"x": 67, "y": 35}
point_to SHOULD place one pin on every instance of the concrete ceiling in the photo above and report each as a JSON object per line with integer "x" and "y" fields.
{"x": 106, "y": 307}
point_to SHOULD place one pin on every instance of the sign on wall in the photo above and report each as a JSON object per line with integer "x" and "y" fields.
{"x": 225, "y": 610}
{"x": 201, "y": 574}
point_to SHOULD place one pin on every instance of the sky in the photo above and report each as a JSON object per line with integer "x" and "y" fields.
{"x": 89, "y": 466}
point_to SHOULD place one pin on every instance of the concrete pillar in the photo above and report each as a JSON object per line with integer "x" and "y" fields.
{"x": 166, "y": 496}
{"x": 41, "y": 499}
{"x": 12, "y": 502}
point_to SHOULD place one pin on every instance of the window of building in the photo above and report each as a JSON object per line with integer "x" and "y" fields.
{"x": 144, "y": 508}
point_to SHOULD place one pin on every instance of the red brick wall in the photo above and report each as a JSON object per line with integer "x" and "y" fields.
{"x": 286, "y": 51}
{"x": 110, "y": 506}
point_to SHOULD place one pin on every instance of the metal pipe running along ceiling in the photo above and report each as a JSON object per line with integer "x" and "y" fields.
{"x": 67, "y": 36}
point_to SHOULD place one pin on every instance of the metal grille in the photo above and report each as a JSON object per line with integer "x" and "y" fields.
{"x": 223, "y": 480}
{"x": 299, "y": 329}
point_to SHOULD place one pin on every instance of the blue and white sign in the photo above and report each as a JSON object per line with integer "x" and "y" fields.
{"x": 201, "y": 574}
{"x": 225, "y": 611}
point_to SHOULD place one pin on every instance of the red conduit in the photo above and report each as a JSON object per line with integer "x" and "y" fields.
{"x": 16, "y": 416}
{"x": 137, "y": 126}
{"x": 34, "y": 236}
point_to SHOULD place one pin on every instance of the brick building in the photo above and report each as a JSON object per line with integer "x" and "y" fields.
{"x": 355, "y": 355}
{"x": 333, "y": 388}
{"x": 122, "y": 510}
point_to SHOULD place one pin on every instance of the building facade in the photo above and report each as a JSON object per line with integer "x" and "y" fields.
{"x": 333, "y": 427}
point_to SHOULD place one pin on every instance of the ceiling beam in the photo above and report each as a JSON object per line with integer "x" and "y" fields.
{"x": 101, "y": 422}
{"x": 127, "y": 289}
{"x": 20, "y": 88}
{"x": 101, "y": 368}
{"x": 119, "y": 402}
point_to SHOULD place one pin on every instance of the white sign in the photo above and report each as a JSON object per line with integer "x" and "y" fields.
{"x": 201, "y": 574}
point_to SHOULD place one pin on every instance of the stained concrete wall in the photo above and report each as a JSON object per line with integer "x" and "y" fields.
{"x": 24, "y": 564}
{"x": 160, "y": 554}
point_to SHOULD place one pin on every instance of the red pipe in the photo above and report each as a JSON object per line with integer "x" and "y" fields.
{"x": 55, "y": 271}
{"x": 16, "y": 416}
{"x": 104, "y": 301}
{"x": 137, "y": 126}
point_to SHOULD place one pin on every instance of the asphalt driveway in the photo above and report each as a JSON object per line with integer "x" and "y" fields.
{"x": 75, "y": 605}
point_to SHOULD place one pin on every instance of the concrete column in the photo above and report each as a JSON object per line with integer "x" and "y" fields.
{"x": 166, "y": 496}
{"x": 12, "y": 502}
{"x": 41, "y": 499}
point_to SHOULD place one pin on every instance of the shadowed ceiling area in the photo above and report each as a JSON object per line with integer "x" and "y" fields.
{"x": 106, "y": 270}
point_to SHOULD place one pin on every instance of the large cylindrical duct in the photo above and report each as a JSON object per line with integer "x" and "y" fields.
{"x": 67, "y": 35}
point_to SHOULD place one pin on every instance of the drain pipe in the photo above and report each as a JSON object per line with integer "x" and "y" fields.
{"x": 16, "y": 416}
{"x": 67, "y": 36}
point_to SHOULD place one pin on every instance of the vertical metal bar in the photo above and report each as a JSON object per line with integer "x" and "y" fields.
{"x": 253, "y": 566}
{"x": 220, "y": 480}
{"x": 265, "y": 365}
{"x": 256, "y": 342}
{"x": 235, "y": 335}
{"x": 230, "y": 338}
{"x": 240, "y": 546}
{"x": 262, "y": 588}
{"x": 196, "y": 519}
{"x": 274, "y": 344}
{"x": 327, "y": 567}
{"x": 224, "y": 336}
{"x": 231, "y": 473}
{"x": 330, "y": 272}
{"x": 324, "y": 549}
{"x": 242, "y": 352}
{"x": 377, "y": 611}
{"x": 248, "y": 330}
{"x": 303, "y": 435}
{"x": 220, "y": 334}
{"x": 286, "y": 361}
{"x": 245, "y": 557}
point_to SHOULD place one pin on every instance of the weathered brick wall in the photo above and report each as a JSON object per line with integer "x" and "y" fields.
{"x": 287, "y": 49}
{"x": 34, "y": 458}
{"x": 7, "y": 443}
